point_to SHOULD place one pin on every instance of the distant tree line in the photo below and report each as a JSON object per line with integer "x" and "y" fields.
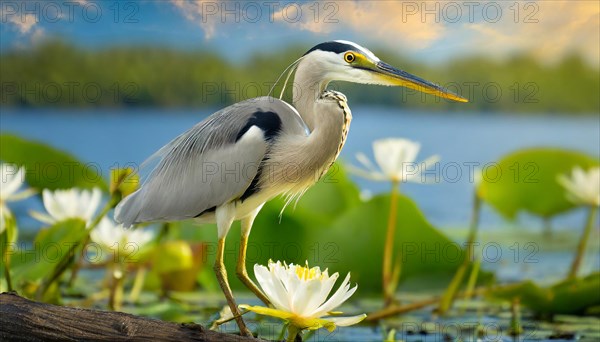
{"x": 57, "y": 74}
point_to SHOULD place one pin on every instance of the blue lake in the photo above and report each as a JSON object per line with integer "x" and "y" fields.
{"x": 109, "y": 138}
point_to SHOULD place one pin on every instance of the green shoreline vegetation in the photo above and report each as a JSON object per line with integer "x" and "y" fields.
{"x": 57, "y": 74}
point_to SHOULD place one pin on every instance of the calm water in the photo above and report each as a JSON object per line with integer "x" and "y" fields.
{"x": 110, "y": 138}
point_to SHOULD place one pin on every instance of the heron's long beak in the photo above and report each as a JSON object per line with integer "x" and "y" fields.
{"x": 402, "y": 78}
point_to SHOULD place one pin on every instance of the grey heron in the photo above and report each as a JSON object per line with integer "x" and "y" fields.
{"x": 226, "y": 167}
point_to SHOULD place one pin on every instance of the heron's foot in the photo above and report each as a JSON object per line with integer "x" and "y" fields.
{"x": 245, "y": 279}
{"x": 222, "y": 278}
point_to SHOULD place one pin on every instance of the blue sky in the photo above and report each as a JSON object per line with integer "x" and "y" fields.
{"x": 431, "y": 31}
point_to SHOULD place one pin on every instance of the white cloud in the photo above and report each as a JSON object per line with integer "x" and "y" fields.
{"x": 387, "y": 21}
{"x": 557, "y": 28}
{"x": 547, "y": 29}
{"x": 26, "y": 24}
{"x": 202, "y": 12}
{"x": 23, "y": 23}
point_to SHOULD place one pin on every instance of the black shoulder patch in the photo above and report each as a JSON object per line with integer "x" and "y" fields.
{"x": 253, "y": 187}
{"x": 209, "y": 210}
{"x": 268, "y": 122}
{"x": 332, "y": 46}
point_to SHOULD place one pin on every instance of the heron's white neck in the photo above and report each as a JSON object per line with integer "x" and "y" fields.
{"x": 327, "y": 120}
{"x": 308, "y": 86}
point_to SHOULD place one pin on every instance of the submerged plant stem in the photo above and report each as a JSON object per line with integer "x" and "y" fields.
{"x": 115, "y": 297}
{"x": 388, "y": 251}
{"x": 450, "y": 293}
{"x": 292, "y": 333}
{"x": 7, "y": 274}
{"x": 138, "y": 284}
{"x": 78, "y": 263}
{"x": 593, "y": 211}
{"x": 10, "y": 235}
{"x": 473, "y": 278}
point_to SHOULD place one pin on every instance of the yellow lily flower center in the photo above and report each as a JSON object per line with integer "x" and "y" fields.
{"x": 305, "y": 273}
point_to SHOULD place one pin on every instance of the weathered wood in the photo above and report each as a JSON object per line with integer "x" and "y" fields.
{"x": 25, "y": 320}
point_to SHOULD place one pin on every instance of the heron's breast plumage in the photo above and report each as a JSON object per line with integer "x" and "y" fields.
{"x": 347, "y": 118}
{"x": 296, "y": 160}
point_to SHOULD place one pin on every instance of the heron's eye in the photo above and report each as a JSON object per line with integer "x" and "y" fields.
{"x": 349, "y": 57}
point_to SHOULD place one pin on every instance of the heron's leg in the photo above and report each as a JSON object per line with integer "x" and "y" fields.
{"x": 224, "y": 223}
{"x": 241, "y": 271}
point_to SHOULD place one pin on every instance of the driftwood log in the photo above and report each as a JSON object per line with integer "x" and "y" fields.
{"x": 25, "y": 320}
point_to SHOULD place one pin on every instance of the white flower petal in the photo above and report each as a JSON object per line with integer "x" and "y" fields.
{"x": 339, "y": 297}
{"x": 346, "y": 321}
{"x": 92, "y": 205}
{"x": 392, "y": 154}
{"x": 42, "y": 217}
{"x": 21, "y": 195}
{"x": 115, "y": 239}
{"x": 387, "y": 155}
{"x": 304, "y": 292}
{"x": 72, "y": 203}
{"x": 315, "y": 301}
{"x": 298, "y": 293}
{"x": 274, "y": 290}
{"x": 364, "y": 160}
{"x": 11, "y": 180}
{"x": 429, "y": 162}
{"x": 53, "y": 208}
{"x": 583, "y": 187}
{"x": 409, "y": 151}
{"x": 376, "y": 176}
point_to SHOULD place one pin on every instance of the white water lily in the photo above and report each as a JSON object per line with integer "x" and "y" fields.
{"x": 119, "y": 241}
{"x": 299, "y": 296}
{"x": 396, "y": 160}
{"x": 67, "y": 204}
{"x": 583, "y": 187}
{"x": 11, "y": 182}
{"x": 225, "y": 315}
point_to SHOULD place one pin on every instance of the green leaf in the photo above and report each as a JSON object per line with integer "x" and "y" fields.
{"x": 568, "y": 297}
{"x": 9, "y": 235}
{"x": 526, "y": 180}
{"x": 330, "y": 197}
{"x": 354, "y": 243}
{"x": 30, "y": 264}
{"x": 7, "y": 246}
{"x": 333, "y": 194}
{"x": 165, "y": 310}
{"x": 47, "y": 167}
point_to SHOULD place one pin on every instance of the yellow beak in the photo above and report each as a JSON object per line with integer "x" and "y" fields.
{"x": 402, "y": 78}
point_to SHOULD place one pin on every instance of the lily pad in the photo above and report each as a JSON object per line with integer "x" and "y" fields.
{"x": 568, "y": 297}
{"x": 30, "y": 264}
{"x": 47, "y": 167}
{"x": 526, "y": 181}
{"x": 356, "y": 241}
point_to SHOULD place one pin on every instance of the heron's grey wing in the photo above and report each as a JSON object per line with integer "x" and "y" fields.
{"x": 212, "y": 163}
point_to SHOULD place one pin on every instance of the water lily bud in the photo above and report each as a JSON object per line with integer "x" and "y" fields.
{"x": 123, "y": 182}
{"x": 173, "y": 256}
{"x": 177, "y": 263}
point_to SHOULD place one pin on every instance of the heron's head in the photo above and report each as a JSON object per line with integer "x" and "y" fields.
{"x": 342, "y": 60}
